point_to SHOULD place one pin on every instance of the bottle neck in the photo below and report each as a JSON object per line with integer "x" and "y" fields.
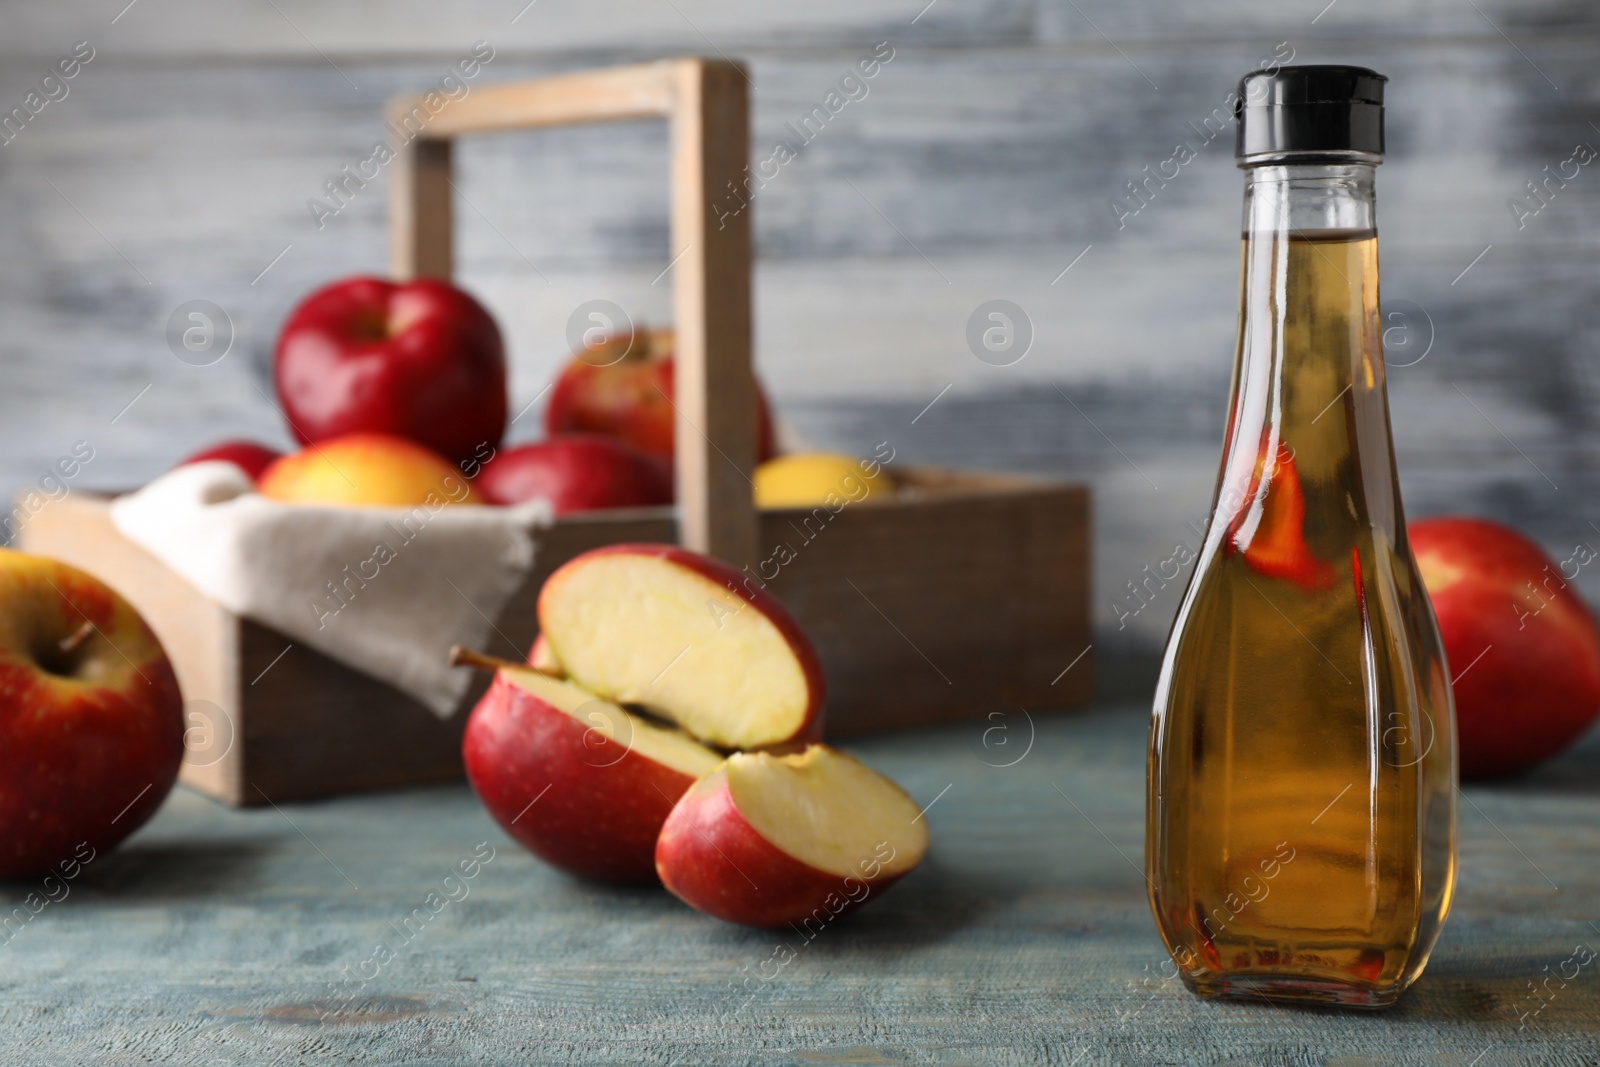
{"x": 1308, "y": 393}
{"x": 1309, "y": 198}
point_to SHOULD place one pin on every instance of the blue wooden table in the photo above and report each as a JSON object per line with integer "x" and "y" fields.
{"x": 306, "y": 934}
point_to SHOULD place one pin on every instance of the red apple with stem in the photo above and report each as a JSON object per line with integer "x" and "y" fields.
{"x": 1522, "y": 644}
{"x": 622, "y": 387}
{"x": 248, "y": 456}
{"x": 576, "y": 473}
{"x": 421, "y": 360}
{"x": 578, "y": 781}
{"x": 792, "y": 840}
{"x": 91, "y": 719}
{"x": 688, "y": 638}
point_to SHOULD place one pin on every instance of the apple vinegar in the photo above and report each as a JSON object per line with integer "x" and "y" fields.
{"x": 1301, "y": 807}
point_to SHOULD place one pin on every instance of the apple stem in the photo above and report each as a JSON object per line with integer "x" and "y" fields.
{"x": 461, "y": 656}
{"x": 70, "y": 643}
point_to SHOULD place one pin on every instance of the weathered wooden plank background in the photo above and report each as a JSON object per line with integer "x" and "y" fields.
{"x": 980, "y": 163}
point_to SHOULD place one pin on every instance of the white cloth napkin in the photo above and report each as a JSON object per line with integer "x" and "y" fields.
{"x": 384, "y": 590}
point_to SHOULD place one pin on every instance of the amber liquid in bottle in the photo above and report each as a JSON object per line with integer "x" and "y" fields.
{"x": 1301, "y": 809}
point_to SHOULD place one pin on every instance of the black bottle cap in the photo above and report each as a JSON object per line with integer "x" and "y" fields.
{"x": 1320, "y": 114}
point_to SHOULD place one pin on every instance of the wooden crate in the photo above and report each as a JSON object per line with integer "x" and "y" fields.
{"x": 964, "y": 595}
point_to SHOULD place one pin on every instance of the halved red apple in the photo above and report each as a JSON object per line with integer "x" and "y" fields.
{"x": 769, "y": 840}
{"x": 687, "y": 637}
{"x": 578, "y": 781}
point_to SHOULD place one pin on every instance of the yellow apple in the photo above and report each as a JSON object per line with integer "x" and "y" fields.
{"x": 366, "y": 470}
{"x": 813, "y": 479}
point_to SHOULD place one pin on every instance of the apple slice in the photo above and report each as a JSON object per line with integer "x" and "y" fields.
{"x": 576, "y": 780}
{"x": 800, "y": 839}
{"x": 687, "y": 637}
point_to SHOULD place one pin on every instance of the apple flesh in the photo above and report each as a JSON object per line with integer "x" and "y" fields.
{"x": 248, "y": 456}
{"x": 800, "y": 839}
{"x": 543, "y": 660}
{"x": 688, "y": 638}
{"x": 91, "y": 719}
{"x": 578, "y": 781}
{"x": 366, "y": 470}
{"x": 575, "y": 473}
{"x": 622, "y": 388}
{"x": 1523, "y": 646}
{"x": 422, "y": 360}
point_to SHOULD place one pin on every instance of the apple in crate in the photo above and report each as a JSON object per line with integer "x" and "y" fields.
{"x": 798, "y": 840}
{"x": 248, "y": 456}
{"x": 366, "y": 470}
{"x": 688, "y": 638}
{"x": 1521, "y": 642}
{"x": 814, "y": 479}
{"x": 91, "y": 720}
{"x": 578, "y": 781}
{"x": 577, "y": 472}
{"x": 622, "y": 387}
{"x": 422, "y": 360}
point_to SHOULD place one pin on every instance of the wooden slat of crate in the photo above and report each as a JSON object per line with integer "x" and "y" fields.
{"x": 967, "y": 600}
{"x": 963, "y": 596}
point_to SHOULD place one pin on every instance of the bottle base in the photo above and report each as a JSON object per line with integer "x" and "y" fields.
{"x": 1287, "y": 989}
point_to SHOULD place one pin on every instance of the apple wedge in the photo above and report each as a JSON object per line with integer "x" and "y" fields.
{"x": 576, "y": 780}
{"x": 770, "y": 841}
{"x": 688, "y": 638}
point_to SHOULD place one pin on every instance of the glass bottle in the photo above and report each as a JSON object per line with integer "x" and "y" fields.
{"x": 1301, "y": 802}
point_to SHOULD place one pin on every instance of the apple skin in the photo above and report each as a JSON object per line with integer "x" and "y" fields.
{"x": 600, "y": 804}
{"x": 366, "y": 470}
{"x": 1537, "y": 688}
{"x": 630, "y": 396}
{"x": 248, "y": 456}
{"x": 576, "y": 472}
{"x": 88, "y": 756}
{"x": 712, "y": 859}
{"x": 810, "y": 729}
{"x": 422, "y": 360}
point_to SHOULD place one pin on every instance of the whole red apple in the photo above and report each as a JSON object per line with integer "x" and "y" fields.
{"x": 1522, "y": 644}
{"x": 577, "y": 472}
{"x": 421, "y": 360}
{"x": 578, "y": 781}
{"x": 248, "y": 456}
{"x": 91, "y": 720}
{"x": 623, "y": 388}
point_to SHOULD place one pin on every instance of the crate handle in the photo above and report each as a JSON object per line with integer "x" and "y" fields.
{"x": 706, "y": 104}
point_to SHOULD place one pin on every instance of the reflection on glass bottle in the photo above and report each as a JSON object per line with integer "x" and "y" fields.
{"x": 1301, "y": 809}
